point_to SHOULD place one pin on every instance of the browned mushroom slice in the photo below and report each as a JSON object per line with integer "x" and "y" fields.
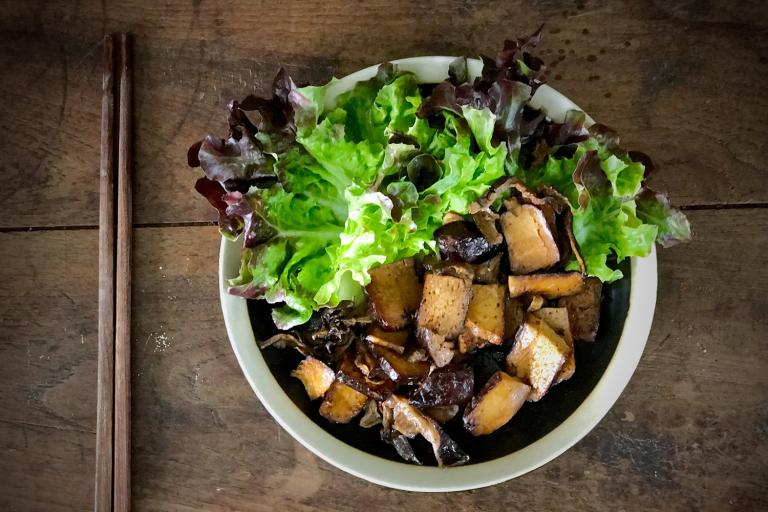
{"x": 443, "y": 413}
{"x": 400, "y": 368}
{"x": 557, "y": 319}
{"x": 550, "y": 286}
{"x": 394, "y": 341}
{"x": 440, "y": 349}
{"x": 537, "y": 355}
{"x": 487, "y": 272}
{"x": 513, "y": 317}
{"x": 485, "y": 315}
{"x": 584, "y": 310}
{"x": 530, "y": 242}
{"x": 410, "y": 421}
{"x": 394, "y": 293}
{"x": 350, "y": 373}
{"x": 342, "y": 403}
{"x": 316, "y": 376}
{"x": 444, "y": 304}
{"x": 496, "y": 404}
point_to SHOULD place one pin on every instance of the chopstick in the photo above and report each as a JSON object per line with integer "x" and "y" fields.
{"x": 106, "y": 336}
{"x": 113, "y": 434}
{"x": 122, "y": 451}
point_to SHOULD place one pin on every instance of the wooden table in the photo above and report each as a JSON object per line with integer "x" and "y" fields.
{"x": 683, "y": 81}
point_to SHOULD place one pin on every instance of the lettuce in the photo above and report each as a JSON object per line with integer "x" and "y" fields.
{"x": 320, "y": 196}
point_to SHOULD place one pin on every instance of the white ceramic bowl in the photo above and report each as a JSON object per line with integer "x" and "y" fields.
{"x": 637, "y": 325}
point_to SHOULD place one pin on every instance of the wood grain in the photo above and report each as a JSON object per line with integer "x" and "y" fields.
{"x": 121, "y": 493}
{"x": 105, "y": 399}
{"x": 675, "y": 71}
{"x": 686, "y": 434}
{"x": 48, "y": 347}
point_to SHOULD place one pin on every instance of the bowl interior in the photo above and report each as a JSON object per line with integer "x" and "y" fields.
{"x": 534, "y": 420}
{"x": 540, "y": 431}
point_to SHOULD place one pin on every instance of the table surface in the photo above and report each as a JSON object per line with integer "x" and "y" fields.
{"x": 682, "y": 80}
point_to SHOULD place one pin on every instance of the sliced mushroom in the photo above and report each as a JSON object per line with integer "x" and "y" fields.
{"x": 584, "y": 310}
{"x": 342, "y": 403}
{"x": 409, "y": 421}
{"x": 550, "y": 286}
{"x": 316, "y": 376}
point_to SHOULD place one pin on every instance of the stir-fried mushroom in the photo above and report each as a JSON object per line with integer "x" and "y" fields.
{"x": 316, "y": 376}
{"x": 499, "y": 400}
{"x": 409, "y": 421}
{"x": 584, "y": 310}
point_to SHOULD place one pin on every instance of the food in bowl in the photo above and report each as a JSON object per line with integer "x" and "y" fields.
{"x": 433, "y": 251}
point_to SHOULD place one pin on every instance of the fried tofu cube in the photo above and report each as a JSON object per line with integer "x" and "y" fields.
{"x": 557, "y": 319}
{"x": 530, "y": 242}
{"x": 316, "y": 376}
{"x": 444, "y": 305}
{"x": 584, "y": 310}
{"x": 537, "y": 355}
{"x": 342, "y": 403}
{"x": 394, "y": 294}
{"x": 549, "y": 286}
{"x": 496, "y": 404}
{"x": 485, "y": 315}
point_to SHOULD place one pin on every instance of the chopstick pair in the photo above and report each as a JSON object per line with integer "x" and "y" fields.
{"x": 113, "y": 418}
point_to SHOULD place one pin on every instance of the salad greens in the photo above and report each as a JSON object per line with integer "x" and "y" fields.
{"x": 320, "y": 196}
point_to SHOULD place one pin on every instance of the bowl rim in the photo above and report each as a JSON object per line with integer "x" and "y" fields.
{"x": 403, "y": 476}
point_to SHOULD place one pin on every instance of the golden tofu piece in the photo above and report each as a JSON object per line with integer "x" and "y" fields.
{"x": 342, "y": 403}
{"x": 537, "y": 355}
{"x": 316, "y": 376}
{"x": 530, "y": 242}
{"x": 496, "y": 404}
{"x": 444, "y": 304}
{"x": 548, "y": 285}
{"x": 485, "y": 315}
{"x": 394, "y": 293}
{"x": 557, "y": 319}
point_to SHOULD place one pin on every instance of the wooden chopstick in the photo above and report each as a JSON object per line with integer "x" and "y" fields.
{"x": 113, "y": 393}
{"x": 106, "y": 337}
{"x": 122, "y": 449}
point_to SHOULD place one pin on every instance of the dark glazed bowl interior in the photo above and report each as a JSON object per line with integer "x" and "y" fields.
{"x": 534, "y": 420}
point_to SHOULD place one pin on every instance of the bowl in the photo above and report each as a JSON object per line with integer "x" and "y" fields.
{"x": 537, "y": 434}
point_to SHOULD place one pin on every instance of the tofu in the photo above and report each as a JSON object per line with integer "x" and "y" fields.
{"x": 394, "y": 294}
{"x": 584, "y": 310}
{"x": 342, "y": 403}
{"x": 485, "y": 315}
{"x": 557, "y": 319}
{"x": 487, "y": 272}
{"x": 550, "y": 286}
{"x": 444, "y": 305}
{"x": 496, "y": 404}
{"x": 537, "y": 356}
{"x": 530, "y": 242}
